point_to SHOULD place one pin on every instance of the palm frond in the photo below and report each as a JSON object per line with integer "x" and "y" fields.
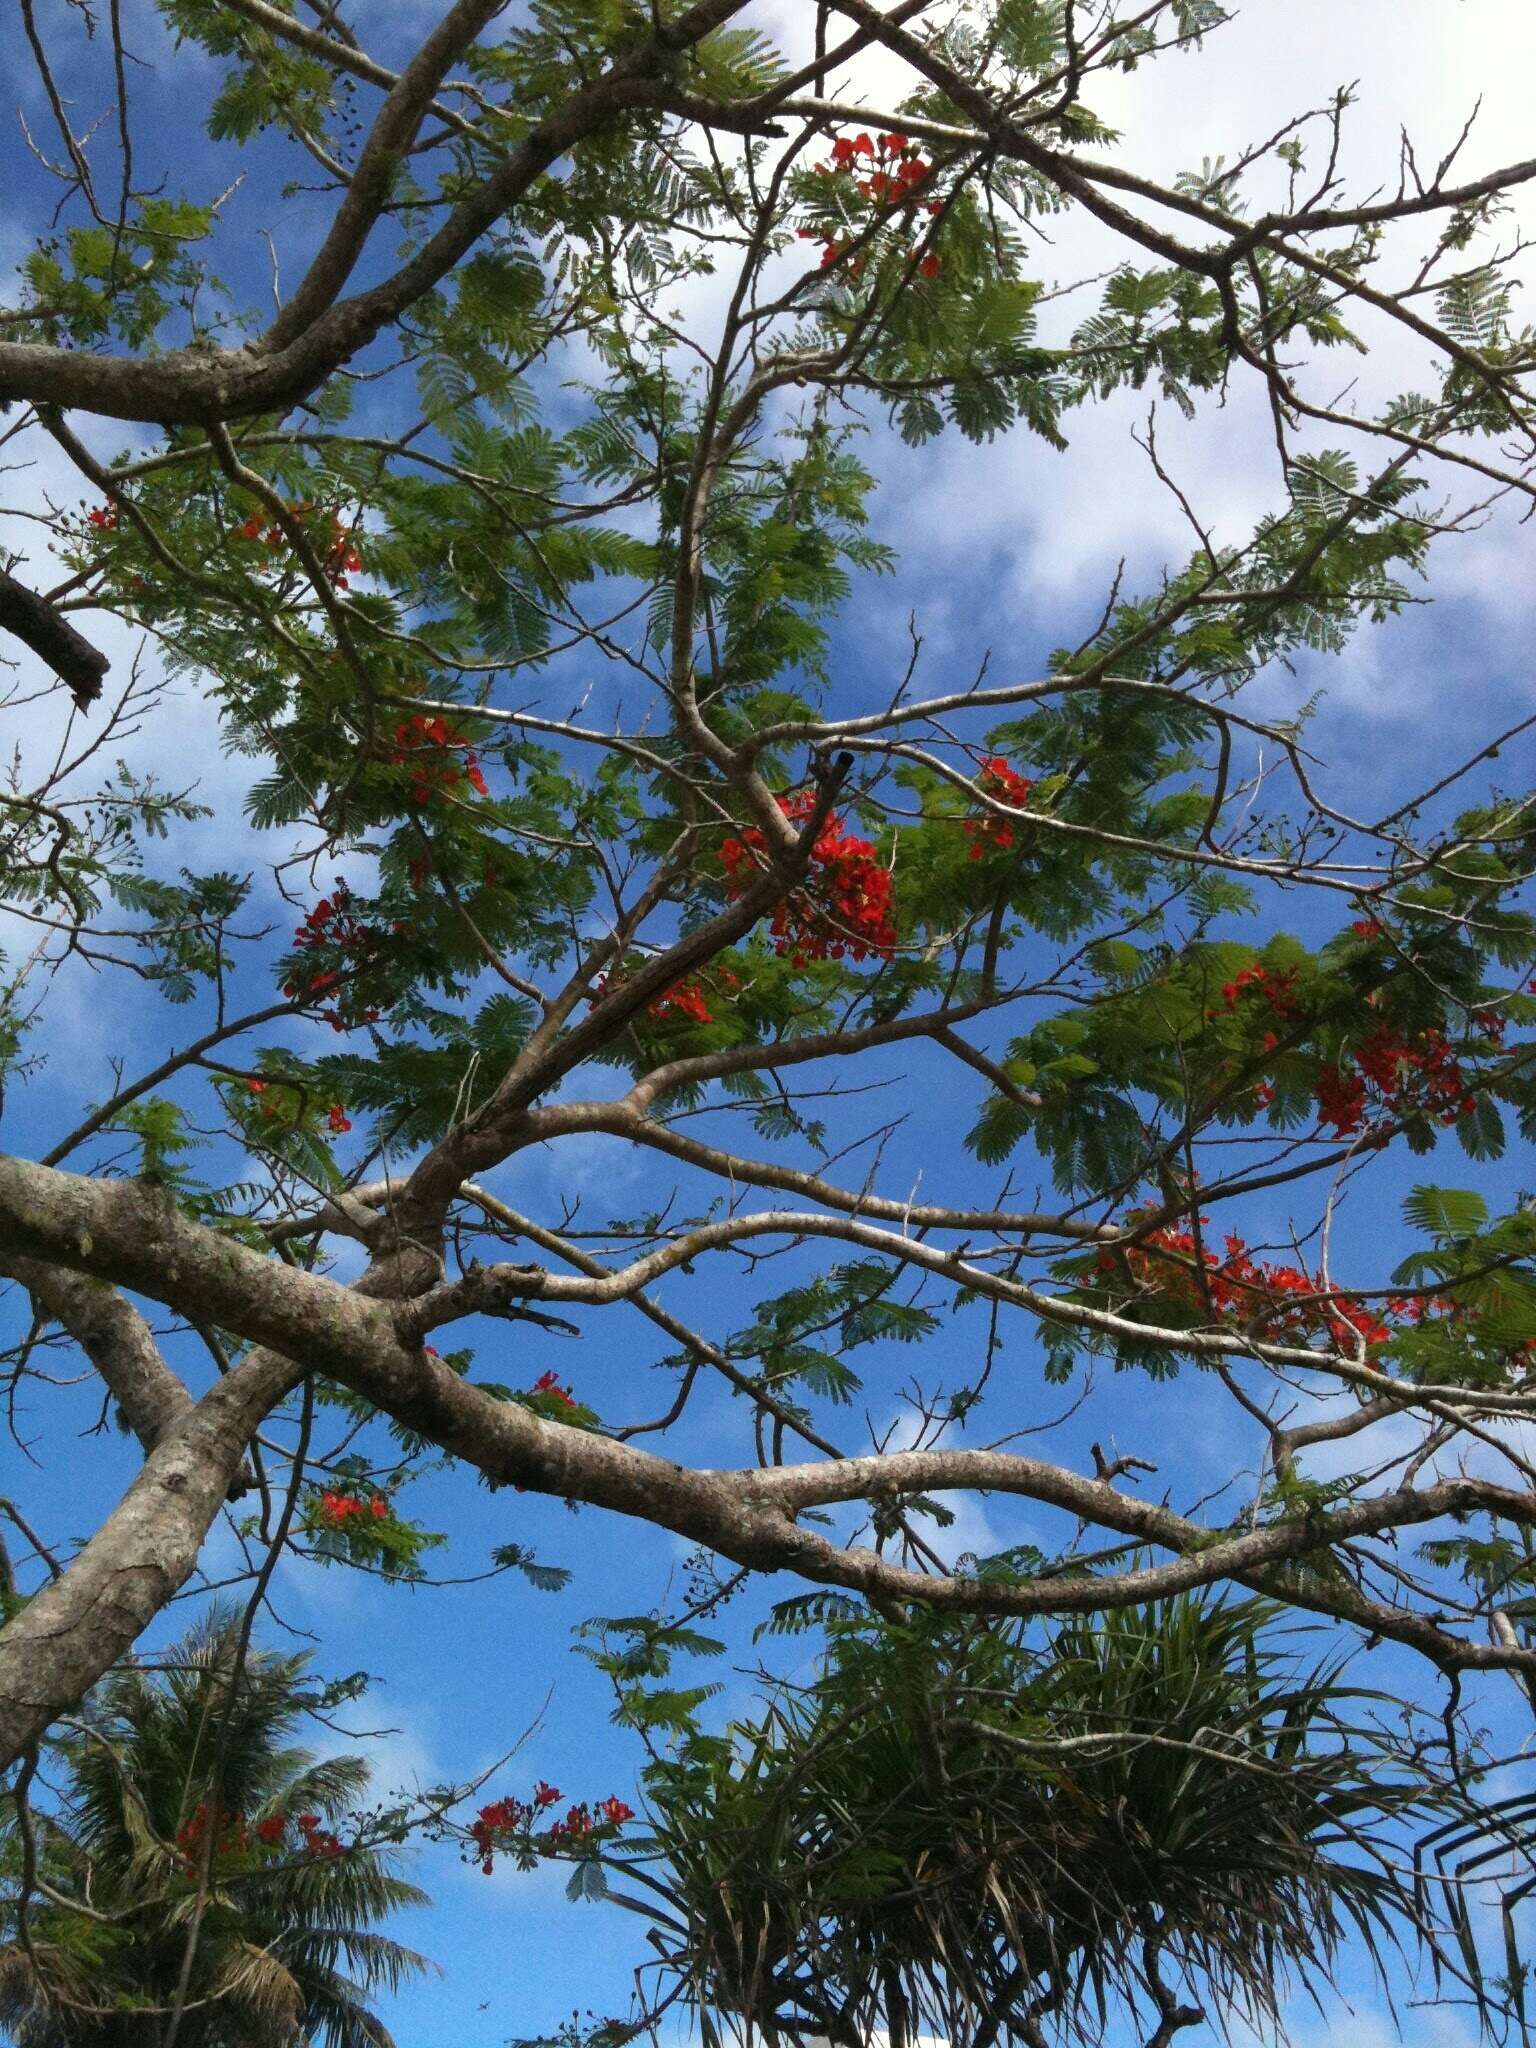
{"x": 960, "y": 1827}
{"x": 277, "y": 1924}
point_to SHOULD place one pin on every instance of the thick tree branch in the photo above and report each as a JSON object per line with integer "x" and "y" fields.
{"x": 381, "y": 157}
{"x": 35, "y": 623}
{"x": 115, "y": 1338}
{"x": 129, "y": 1232}
{"x": 201, "y": 386}
{"x": 83, "y": 1621}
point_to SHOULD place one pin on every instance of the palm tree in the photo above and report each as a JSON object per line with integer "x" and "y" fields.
{"x": 283, "y": 1907}
{"x": 962, "y": 1829}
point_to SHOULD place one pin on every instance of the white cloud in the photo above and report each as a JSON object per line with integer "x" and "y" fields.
{"x": 1054, "y": 528}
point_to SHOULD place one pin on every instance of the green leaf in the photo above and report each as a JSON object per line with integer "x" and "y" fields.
{"x": 587, "y": 1880}
{"x": 1446, "y": 1212}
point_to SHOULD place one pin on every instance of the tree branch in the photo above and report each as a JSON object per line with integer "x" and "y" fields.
{"x": 35, "y": 623}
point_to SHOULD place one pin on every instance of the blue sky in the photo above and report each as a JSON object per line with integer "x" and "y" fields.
{"x": 1005, "y": 552}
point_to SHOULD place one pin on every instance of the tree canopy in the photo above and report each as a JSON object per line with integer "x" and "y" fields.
{"x": 472, "y": 423}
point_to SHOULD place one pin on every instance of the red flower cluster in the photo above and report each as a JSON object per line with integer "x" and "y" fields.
{"x": 503, "y": 1816}
{"x": 341, "y": 558}
{"x": 231, "y": 1836}
{"x": 104, "y": 517}
{"x": 333, "y": 925}
{"x": 1277, "y": 1300}
{"x": 998, "y": 780}
{"x": 426, "y": 746}
{"x": 1392, "y": 1074}
{"x": 337, "y": 1117}
{"x": 337, "y": 1509}
{"x": 897, "y": 173}
{"x": 547, "y": 1383}
{"x": 1396, "y": 1075}
{"x": 235, "y": 1836}
{"x": 258, "y": 1089}
{"x": 516, "y": 1817}
{"x": 853, "y": 918}
{"x": 1276, "y": 991}
{"x": 686, "y": 999}
{"x": 318, "y": 1840}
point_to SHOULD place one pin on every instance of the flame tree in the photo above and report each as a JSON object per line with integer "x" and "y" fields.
{"x": 504, "y": 526}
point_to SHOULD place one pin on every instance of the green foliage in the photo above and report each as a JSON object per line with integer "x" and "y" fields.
{"x": 635, "y": 1652}
{"x": 539, "y": 611}
{"x": 547, "y": 1578}
{"x": 1169, "y": 1771}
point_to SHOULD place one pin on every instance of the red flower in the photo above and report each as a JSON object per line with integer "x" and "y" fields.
{"x": 336, "y": 1510}
{"x": 1417, "y": 1075}
{"x": 501, "y": 1817}
{"x": 334, "y": 926}
{"x": 273, "y": 1828}
{"x": 842, "y": 911}
{"x": 426, "y": 745}
{"x": 615, "y": 1812}
{"x": 1277, "y": 991}
{"x": 338, "y": 1119}
{"x": 547, "y": 1383}
{"x": 686, "y": 998}
{"x": 1184, "y": 1270}
{"x": 995, "y": 779}
{"x": 318, "y": 1841}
